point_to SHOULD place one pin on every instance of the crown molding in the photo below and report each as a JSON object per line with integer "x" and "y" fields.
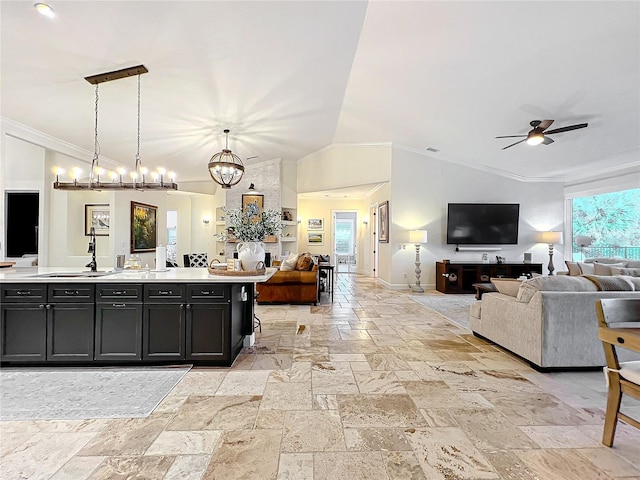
{"x": 36, "y": 137}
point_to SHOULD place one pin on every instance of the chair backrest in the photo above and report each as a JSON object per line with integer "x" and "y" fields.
{"x": 616, "y": 313}
{"x": 195, "y": 260}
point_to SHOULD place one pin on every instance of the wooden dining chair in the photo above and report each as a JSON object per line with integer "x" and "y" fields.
{"x": 619, "y": 326}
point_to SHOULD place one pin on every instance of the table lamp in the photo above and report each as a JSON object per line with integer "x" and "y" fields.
{"x": 550, "y": 238}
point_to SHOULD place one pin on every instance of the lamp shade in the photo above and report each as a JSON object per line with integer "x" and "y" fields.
{"x": 583, "y": 240}
{"x": 550, "y": 237}
{"x": 418, "y": 236}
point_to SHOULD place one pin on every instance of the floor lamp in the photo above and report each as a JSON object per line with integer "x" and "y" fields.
{"x": 418, "y": 237}
{"x": 551, "y": 238}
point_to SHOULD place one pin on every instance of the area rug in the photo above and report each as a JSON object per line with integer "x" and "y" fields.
{"x": 83, "y": 393}
{"x": 454, "y": 307}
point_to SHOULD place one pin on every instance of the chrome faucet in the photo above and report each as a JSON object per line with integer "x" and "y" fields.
{"x": 92, "y": 250}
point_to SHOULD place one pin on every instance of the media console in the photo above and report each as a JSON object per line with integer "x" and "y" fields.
{"x": 460, "y": 277}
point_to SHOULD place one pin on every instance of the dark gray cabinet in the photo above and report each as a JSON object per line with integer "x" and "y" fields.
{"x": 118, "y": 323}
{"x": 41, "y": 323}
{"x": 163, "y": 336}
{"x": 201, "y": 323}
{"x": 24, "y": 332}
{"x": 208, "y": 322}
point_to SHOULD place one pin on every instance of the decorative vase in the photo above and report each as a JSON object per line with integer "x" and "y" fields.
{"x": 250, "y": 253}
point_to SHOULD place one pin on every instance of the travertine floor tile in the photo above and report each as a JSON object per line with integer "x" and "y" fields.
{"x": 312, "y": 431}
{"x": 374, "y": 387}
{"x": 245, "y": 454}
{"x": 445, "y": 452}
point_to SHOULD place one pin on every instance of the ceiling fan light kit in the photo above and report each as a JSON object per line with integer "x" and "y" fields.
{"x": 139, "y": 175}
{"x": 539, "y": 133}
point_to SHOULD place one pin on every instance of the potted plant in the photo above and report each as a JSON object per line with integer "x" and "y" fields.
{"x": 250, "y": 227}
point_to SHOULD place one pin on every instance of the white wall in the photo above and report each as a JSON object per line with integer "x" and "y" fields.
{"x": 421, "y": 188}
{"x": 339, "y": 166}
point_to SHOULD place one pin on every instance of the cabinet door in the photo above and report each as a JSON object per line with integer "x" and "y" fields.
{"x": 208, "y": 331}
{"x": 23, "y": 335}
{"x": 70, "y": 332}
{"x": 118, "y": 331}
{"x": 163, "y": 332}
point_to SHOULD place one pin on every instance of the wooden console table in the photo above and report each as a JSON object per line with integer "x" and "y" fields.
{"x": 459, "y": 277}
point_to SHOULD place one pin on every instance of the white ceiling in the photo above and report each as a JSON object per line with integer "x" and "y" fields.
{"x": 289, "y": 78}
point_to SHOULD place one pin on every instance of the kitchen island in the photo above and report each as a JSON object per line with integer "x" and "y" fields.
{"x": 62, "y": 316}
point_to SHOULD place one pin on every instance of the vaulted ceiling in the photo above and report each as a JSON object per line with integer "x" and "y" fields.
{"x": 289, "y": 78}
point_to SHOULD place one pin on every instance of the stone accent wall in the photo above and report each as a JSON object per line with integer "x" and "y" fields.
{"x": 265, "y": 177}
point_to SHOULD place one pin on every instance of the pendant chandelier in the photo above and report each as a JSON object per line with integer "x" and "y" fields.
{"x": 225, "y": 168}
{"x": 117, "y": 180}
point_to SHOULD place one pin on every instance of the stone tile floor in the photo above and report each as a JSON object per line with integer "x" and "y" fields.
{"x": 373, "y": 386}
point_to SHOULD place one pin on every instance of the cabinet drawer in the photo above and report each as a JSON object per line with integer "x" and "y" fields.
{"x": 164, "y": 292}
{"x": 24, "y": 293}
{"x": 202, "y": 293}
{"x": 111, "y": 292}
{"x": 75, "y": 293}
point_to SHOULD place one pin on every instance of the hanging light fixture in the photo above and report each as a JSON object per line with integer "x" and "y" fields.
{"x": 139, "y": 175}
{"x": 225, "y": 168}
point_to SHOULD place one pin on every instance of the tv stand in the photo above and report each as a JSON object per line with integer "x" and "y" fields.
{"x": 459, "y": 277}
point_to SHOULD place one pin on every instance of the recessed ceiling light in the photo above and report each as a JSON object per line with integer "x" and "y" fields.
{"x": 44, "y": 9}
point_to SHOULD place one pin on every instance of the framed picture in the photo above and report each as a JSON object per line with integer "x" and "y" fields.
{"x": 143, "y": 227}
{"x": 249, "y": 198}
{"x": 97, "y": 215}
{"x": 315, "y": 238}
{"x": 383, "y": 222}
{"x": 315, "y": 224}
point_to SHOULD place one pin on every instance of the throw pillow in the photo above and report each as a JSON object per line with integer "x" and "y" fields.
{"x": 587, "y": 268}
{"x": 304, "y": 260}
{"x": 607, "y": 283}
{"x": 605, "y": 268}
{"x": 507, "y": 286}
{"x": 289, "y": 263}
{"x": 573, "y": 267}
{"x": 633, "y": 281}
{"x": 562, "y": 283}
{"x": 632, "y": 272}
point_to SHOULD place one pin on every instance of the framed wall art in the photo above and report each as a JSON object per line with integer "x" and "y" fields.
{"x": 315, "y": 224}
{"x": 98, "y": 216}
{"x": 144, "y": 232}
{"x": 315, "y": 238}
{"x": 383, "y": 225}
{"x": 249, "y": 198}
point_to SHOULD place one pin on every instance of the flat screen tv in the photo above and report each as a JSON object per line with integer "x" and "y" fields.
{"x": 482, "y": 223}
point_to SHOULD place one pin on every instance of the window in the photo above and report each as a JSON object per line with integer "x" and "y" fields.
{"x": 612, "y": 220}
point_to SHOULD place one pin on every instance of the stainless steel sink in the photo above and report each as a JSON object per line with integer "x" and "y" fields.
{"x": 73, "y": 274}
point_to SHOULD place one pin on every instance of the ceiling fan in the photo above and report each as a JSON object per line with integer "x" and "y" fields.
{"x": 536, "y": 136}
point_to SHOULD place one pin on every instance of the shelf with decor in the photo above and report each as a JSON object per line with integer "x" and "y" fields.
{"x": 289, "y": 235}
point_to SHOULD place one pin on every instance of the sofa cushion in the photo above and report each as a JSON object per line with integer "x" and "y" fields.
{"x": 574, "y": 268}
{"x": 607, "y": 283}
{"x": 304, "y": 262}
{"x": 289, "y": 263}
{"x": 632, "y": 272}
{"x": 606, "y": 260}
{"x": 605, "y": 268}
{"x": 633, "y": 264}
{"x": 587, "y": 268}
{"x": 562, "y": 283}
{"x": 508, "y": 286}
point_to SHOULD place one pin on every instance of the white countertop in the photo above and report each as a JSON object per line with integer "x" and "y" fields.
{"x": 180, "y": 275}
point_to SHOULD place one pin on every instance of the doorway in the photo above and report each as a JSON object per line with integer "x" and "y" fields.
{"x": 23, "y": 209}
{"x": 345, "y": 237}
{"x": 172, "y": 237}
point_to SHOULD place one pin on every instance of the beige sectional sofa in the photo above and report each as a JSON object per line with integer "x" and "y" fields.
{"x": 551, "y": 321}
